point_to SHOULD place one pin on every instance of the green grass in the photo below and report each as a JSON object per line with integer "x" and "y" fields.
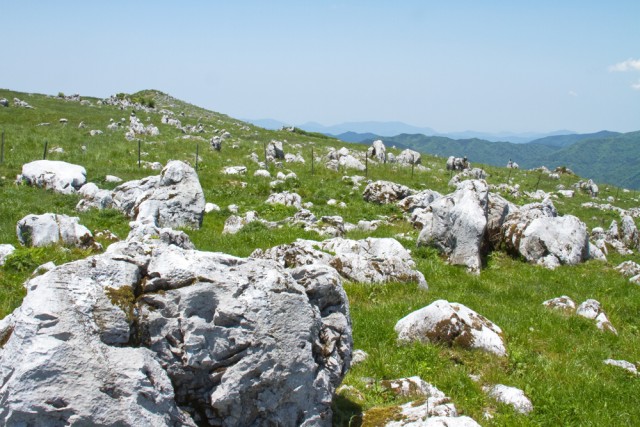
{"x": 555, "y": 358}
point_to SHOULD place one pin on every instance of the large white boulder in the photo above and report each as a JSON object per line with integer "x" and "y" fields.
{"x": 61, "y": 177}
{"x": 556, "y": 240}
{"x": 455, "y": 224}
{"x": 172, "y": 199}
{"x": 51, "y": 229}
{"x": 451, "y": 324}
{"x": 409, "y": 157}
{"x": 153, "y": 334}
{"x": 377, "y": 151}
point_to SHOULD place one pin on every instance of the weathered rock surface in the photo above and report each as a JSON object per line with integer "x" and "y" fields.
{"x": 61, "y": 177}
{"x": 94, "y": 198}
{"x": 172, "y": 199}
{"x": 433, "y": 409}
{"x": 561, "y": 303}
{"x": 372, "y": 260}
{"x": 511, "y": 396}
{"x": 591, "y": 309}
{"x": 627, "y": 366}
{"x": 409, "y": 157}
{"x": 151, "y": 333}
{"x": 285, "y": 198}
{"x": 455, "y": 224}
{"x": 384, "y": 192}
{"x": 377, "y": 151}
{"x": 451, "y": 324}
{"x": 419, "y": 200}
{"x": 50, "y": 229}
{"x": 5, "y": 250}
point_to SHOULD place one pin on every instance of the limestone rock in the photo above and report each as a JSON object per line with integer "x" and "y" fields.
{"x": 377, "y": 151}
{"x": 61, "y": 177}
{"x": 511, "y": 396}
{"x": 591, "y": 309}
{"x": 5, "y": 250}
{"x": 112, "y": 178}
{"x": 235, "y": 170}
{"x": 286, "y": 199}
{"x": 358, "y": 356}
{"x": 384, "y": 192}
{"x": 218, "y": 341}
{"x": 421, "y": 199}
{"x": 172, "y": 199}
{"x": 451, "y": 324}
{"x": 629, "y": 268}
{"x": 275, "y": 150}
{"x": 372, "y": 260}
{"x": 409, "y": 157}
{"x": 561, "y": 303}
{"x": 50, "y": 229}
{"x": 455, "y": 224}
{"x": 211, "y": 207}
{"x": 627, "y": 366}
{"x": 93, "y": 197}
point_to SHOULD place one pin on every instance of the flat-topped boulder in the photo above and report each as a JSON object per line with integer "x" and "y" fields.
{"x": 61, "y": 177}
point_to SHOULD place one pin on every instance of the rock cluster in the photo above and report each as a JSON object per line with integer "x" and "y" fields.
{"x": 153, "y": 332}
{"x": 51, "y": 229}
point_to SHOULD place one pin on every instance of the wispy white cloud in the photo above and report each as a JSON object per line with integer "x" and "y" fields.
{"x": 573, "y": 93}
{"x": 636, "y": 85}
{"x": 628, "y": 65}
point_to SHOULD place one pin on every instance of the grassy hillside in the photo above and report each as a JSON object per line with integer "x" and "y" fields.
{"x": 604, "y": 156}
{"x": 556, "y": 359}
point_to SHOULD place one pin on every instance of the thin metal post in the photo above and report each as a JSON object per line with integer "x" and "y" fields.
{"x": 266, "y": 161}
{"x": 539, "y": 177}
{"x": 312, "y": 159}
{"x": 197, "y": 149}
{"x": 366, "y": 166}
{"x": 2, "y": 149}
{"x": 139, "y": 146}
{"x": 44, "y": 153}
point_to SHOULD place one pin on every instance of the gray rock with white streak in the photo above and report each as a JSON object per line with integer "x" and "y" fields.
{"x": 172, "y": 199}
{"x": 51, "y": 229}
{"x": 61, "y": 177}
{"x": 455, "y": 224}
{"x": 451, "y": 324}
{"x": 511, "y": 396}
{"x": 153, "y": 334}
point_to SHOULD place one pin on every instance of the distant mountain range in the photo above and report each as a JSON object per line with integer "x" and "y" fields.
{"x": 356, "y": 131}
{"x": 607, "y": 157}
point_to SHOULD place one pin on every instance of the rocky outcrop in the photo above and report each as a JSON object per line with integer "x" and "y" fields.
{"x": 455, "y": 224}
{"x": 451, "y": 324}
{"x": 384, "y": 192}
{"x": 372, "y": 260}
{"x": 153, "y": 333}
{"x": 61, "y": 177}
{"x": 172, "y": 199}
{"x": 94, "y": 198}
{"x": 418, "y": 200}
{"x": 52, "y": 229}
{"x": 591, "y": 309}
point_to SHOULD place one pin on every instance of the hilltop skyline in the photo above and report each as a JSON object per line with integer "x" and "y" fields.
{"x": 490, "y": 67}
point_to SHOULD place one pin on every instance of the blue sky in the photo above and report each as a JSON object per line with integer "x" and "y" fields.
{"x": 483, "y": 65}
